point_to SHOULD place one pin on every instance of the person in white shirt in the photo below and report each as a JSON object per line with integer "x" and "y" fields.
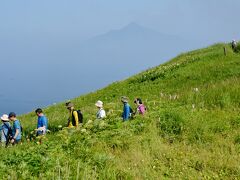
{"x": 234, "y": 45}
{"x": 101, "y": 112}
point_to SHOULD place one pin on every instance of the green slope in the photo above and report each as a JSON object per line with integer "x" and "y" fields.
{"x": 191, "y": 130}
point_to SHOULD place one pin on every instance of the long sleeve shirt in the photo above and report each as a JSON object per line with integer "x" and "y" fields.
{"x": 126, "y": 111}
{"x": 5, "y": 131}
{"x": 101, "y": 114}
{"x": 141, "y": 109}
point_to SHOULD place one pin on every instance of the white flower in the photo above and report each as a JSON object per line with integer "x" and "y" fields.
{"x": 175, "y": 97}
{"x": 193, "y": 106}
{"x": 90, "y": 122}
{"x": 83, "y": 130}
{"x": 196, "y": 89}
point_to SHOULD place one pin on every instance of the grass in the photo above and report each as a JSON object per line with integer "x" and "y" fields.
{"x": 191, "y": 129}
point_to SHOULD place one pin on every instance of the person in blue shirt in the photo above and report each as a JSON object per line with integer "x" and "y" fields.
{"x": 126, "y": 109}
{"x": 42, "y": 125}
{"x": 5, "y": 130}
{"x": 16, "y": 129}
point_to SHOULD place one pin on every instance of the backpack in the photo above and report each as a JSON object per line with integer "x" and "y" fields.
{"x": 131, "y": 110}
{"x": 132, "y": 113}
{"x": 8, "y": 136}
{"x": 21, "y": 128}
{"x": 80, "y": 117}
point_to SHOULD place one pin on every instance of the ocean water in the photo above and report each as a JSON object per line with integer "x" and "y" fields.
{"x": 27, "y": 86}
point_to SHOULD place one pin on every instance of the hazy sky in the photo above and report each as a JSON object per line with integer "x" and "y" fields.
{"x": 208, "y": 20}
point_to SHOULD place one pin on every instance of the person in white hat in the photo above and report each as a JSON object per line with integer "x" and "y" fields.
{"x": 6, "y": 130}
{"x": 101, "y": 112}
{"x": 234, "y": 45}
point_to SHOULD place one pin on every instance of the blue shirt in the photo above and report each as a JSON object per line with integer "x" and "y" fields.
{"x": 16, "y": 125}
{"x": 126, "y": 111}
{"x": 6, "y": 126}
{"x": 42, "y": 121}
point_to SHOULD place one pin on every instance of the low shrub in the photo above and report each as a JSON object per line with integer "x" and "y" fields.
{"x": 170, "y": 123}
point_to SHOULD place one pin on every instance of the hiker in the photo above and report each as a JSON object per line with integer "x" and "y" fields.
{"x": 140, "y": 107}
{"x": 234, "y": 45}
{"x": 75, "y": 116}
{"x": 16, "y": 129}
{"x": 5, "y": 131}
{"x": 42, "y": 125}
{"x": 101, "y": 112}
{"x": 126, "y": 109}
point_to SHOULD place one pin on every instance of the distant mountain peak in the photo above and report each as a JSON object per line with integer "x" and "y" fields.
{"x": 133, "y": 26}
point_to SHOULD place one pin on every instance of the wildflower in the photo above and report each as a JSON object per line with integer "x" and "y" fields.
{"x": 161, "y": 94}
{"x": 83, "y": 130}
{"x": 175, "y": 97}
{"x": 90, "y": 122}
{"x": 102, "y": 124}
{"x": 196, "y": 89}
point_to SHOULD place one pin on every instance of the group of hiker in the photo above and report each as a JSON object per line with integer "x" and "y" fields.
{"x": 76, "y": 116}
{"x": 10, "y": 133}
{"x": 11, "y": 129}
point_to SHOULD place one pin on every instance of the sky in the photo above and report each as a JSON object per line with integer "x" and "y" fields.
{"x": 34, "y": 34}
{"x": 208, "y": 20}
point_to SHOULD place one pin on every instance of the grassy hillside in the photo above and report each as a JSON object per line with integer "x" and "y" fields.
{"x": 191, "y": 130}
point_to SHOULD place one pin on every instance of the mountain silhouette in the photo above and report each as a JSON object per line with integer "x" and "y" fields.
{"x": 130, "y": 46}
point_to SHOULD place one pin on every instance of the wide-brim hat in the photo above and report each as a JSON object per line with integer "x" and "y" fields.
{"x": 99, "y": 104}
{"x": 70, "y": 105}
{"x": 124, "y": 99}
{"x": 5, "y": 117}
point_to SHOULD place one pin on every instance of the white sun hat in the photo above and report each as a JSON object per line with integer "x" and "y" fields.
{"x": 4, "y": 117}
{"x": 99, "y": 104}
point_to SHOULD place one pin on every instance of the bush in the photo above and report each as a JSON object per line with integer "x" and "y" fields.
{"x": 200, "y": 135}
{"x": 170, "y": 123}
{"x": 237, "y": 139}
{"x": 235, "y": 123}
